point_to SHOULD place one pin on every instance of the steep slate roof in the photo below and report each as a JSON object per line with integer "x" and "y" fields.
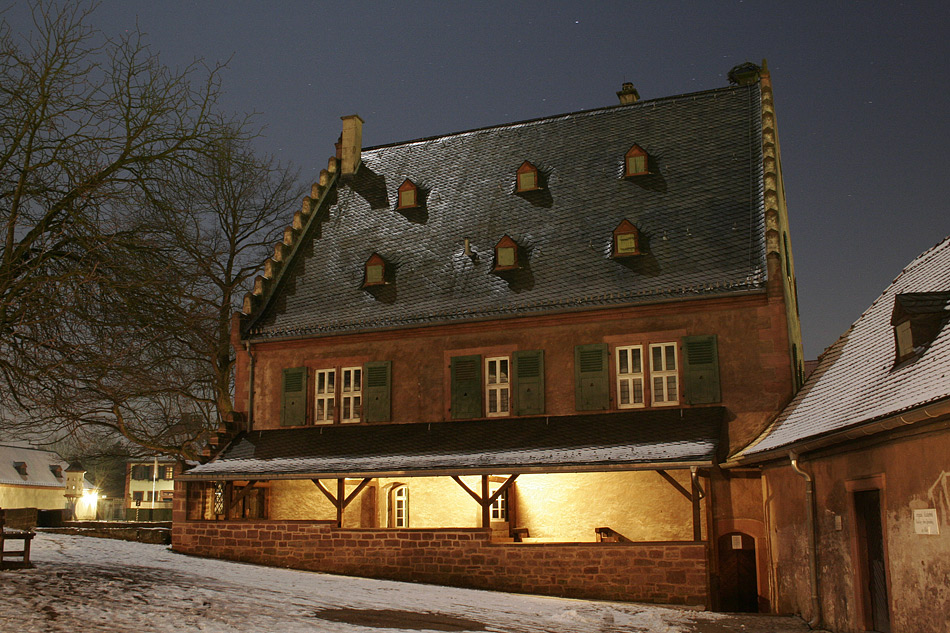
{"x": 700, "y": 214}
{"x": 626, "y": 441}
{"x": 856, "y": 380}
{"x": 38, "y": 464}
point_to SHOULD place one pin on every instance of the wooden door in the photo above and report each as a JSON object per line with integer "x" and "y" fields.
{"x": 738, "y": 582}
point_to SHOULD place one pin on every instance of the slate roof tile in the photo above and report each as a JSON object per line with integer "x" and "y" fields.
{"x": 856, "y": 379}
{"x": 700, "y": 215}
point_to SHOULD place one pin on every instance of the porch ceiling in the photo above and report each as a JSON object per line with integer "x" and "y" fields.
{"x": 637, "y": 440}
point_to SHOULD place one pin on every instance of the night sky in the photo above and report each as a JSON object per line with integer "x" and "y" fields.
{"x": 861, "y": 96}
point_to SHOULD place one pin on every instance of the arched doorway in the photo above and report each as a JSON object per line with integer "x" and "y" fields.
{"x": 738, "y": 582}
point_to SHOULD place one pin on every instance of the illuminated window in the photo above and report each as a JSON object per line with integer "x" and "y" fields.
{"x": 324, "y": 396}
{"x": 351, "y": 391}
{"x": 497, "y": 387}
{"x": 663, "y": 371}
{"x": 635, "y": 162}
{"x": 630, "y": 377}
{"x": 375, "y": 271}
{"x": 626, "y": 240}
{"x": 399, "y": 507}
{"x": 408, "y": 195}
{"x": 527, "y": 177}
{"x": 506, "y": 254}
{"x": 499, "y": 507}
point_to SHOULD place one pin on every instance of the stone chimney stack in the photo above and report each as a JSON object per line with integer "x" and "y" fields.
{"x": 351, "y": 144}
{"x": 628, "y": 94}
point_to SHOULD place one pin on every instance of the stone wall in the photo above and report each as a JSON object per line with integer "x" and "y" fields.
{"x": 659, "y": 572}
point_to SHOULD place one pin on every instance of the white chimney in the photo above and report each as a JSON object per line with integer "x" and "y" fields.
{"x": 351, "y": 144}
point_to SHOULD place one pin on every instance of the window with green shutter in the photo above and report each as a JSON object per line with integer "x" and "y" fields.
{"x": 529, "y": 382}
{"x": 377, "y": 389}
{"x": 466, "y": 377}
{"x": 293, "y": 410}
{"x": 591, "y": 383}
{"x": 701, "y": 369}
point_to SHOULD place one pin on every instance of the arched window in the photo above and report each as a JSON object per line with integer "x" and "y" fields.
{"x": 399, "y": 506}
{"x": 635, "y": 162}
{"x": 408, "y": 195}
{"x": 626, "y": 240}
{"x": 527, "y": 178}
{"x": 375, "y": 273}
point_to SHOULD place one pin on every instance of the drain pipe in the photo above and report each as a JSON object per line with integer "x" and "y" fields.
{"x": 250, "y": 387}
{"x": 812, "y": 534}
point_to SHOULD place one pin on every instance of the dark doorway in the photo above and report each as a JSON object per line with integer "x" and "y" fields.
{"x": 738, "y": 584}
{"x": 872, "y": 576}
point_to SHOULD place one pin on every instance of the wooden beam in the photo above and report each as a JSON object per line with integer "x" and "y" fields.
{"x": 243, "y": 492}
{"x": 474, "y": 494}
{"x": 683, "y": 491}
{"x": 697, "y": 524}
{"x": 358, "y": 490}
{"x": 340, "y": 494}
{"x": 501, "y": 490}
{"x": 326, "y": 493}
{"x": 486, "y": 505}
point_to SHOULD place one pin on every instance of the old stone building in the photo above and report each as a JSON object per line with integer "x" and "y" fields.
{"x": 513, "y": 357}
{"x": 856, "y": 470}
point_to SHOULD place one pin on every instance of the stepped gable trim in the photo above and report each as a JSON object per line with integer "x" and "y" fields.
{"x": 268, "y": 285}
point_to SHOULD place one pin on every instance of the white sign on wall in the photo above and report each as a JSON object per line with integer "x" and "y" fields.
{"x": 925, "y": 521}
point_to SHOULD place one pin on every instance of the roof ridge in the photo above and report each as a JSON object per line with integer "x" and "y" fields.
{"x": 563, "y": 115}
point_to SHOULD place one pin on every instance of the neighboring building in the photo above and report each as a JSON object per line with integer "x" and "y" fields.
{"x": 150, "y": 488}
{"x": 518, "y": 354}
{"x": 870, "y": 436}
{"x": 34, "y": 478}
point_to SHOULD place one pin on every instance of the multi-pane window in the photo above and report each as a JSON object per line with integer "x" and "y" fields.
{"x": 663, "y": 371}
{"x": 527, "y": 177}
{"x": 499, "y": 507}
{"x": 351, "y": 391}
{"x": 630, "y": 377}
{"x": 324, "y": 396}
{"x": 399, "y": 507}
{"x": 497, "y": 386}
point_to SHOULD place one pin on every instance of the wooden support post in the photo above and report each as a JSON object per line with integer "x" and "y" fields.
{"x": 697, "y": 523}
{"x": 486, "y": 504}
{"x": 340, "y": 496}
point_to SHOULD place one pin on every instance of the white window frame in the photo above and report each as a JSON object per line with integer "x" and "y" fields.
{"x": 632, "y": 379}
{"x": 496, "y": 388}
{"x": 399, "y": 506}
{"x": 664, "y": 376}
{"x": 324, "y": 402}
{"x": 351, "y": 394}
{"x": 499, "y": 507}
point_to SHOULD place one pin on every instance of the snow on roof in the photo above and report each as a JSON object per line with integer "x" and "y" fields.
{"x": 37, "y": 464}
{"x": 856, "y": 380}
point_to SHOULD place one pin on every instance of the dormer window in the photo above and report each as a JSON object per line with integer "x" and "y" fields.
{"x": 375, "y": 274}
{"x": 20, "y": 468}
{"x": 918, "y": 318}
{"x": 635, "y": 162}
{"x": 408, "y": 195}
{"x": 56, "y": 470}
{"x": 506, "y": 254}
{"x": 626, "y": 240}
{"x": 527, "y": 178}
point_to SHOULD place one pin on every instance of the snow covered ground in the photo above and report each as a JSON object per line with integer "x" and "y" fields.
{"x": 84, "y": 584}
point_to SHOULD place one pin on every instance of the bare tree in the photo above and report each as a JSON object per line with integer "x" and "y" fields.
{"x": 133, "y": 213}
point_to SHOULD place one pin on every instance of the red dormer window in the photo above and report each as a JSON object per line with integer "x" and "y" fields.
{"x": 506, "y": 254}
{"x": 56, "y": 470}
{"x": 626, "y": 240}
{"x": 635, "y": 162}
{"x": 527, "y": 178}
{"x": 375, "y": 273}
{"x": 408, "y": 195}
{"x": 20, "y": 468}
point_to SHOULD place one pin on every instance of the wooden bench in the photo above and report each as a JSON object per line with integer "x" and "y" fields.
{"x": 14, "y": 559}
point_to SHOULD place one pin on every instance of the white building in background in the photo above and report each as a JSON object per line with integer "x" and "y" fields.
{"x": 149, "y": 488}
{"x": 35, "y": 478}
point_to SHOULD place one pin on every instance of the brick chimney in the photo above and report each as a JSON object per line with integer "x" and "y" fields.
{"x": 351, "y": 144}
{"x": 628, "y": 94}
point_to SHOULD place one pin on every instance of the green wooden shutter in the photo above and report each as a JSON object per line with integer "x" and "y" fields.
{"x": 466, "y": 387}
{"x": 591, "y": 382}
{"x": 529, "y": 382}
{"x": 701, "y": 369}
{"x": 377, "y": 387}
{"x": 293, "y": 410}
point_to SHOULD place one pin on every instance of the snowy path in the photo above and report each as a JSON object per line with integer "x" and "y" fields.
{"x": 83, "y": 584}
